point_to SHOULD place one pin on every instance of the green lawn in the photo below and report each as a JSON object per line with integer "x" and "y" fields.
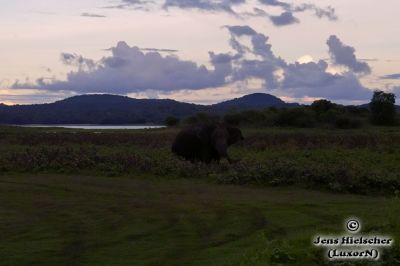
{"x": 82, "y": 220}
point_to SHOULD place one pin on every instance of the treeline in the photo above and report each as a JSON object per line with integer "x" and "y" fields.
{"x": 321, "y": 113}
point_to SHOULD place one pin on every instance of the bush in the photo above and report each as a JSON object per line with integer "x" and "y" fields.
{"x": 202, "y": 118}
{"x": 233, "y": 118}
{"x": 383, "y": 109}
{"x": 297, "y": 117}
{"x": 322, "y": 106}
{"x": 171, "y": 121}
{"x": 344, "y": 122}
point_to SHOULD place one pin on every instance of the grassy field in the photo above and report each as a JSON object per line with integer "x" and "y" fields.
{"x": 73, "y": 197}
{"x": 75, "y": 220}
{"x": 364, "y": 161}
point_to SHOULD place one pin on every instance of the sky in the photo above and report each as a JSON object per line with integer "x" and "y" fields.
{"x": 202, "y": 51}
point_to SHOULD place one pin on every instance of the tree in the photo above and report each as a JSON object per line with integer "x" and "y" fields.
{"x": 322, "y": 106}
{"x": 202, "y": 118}
{"x": 171, "y": 121}
{"x": 383, "y": 109}
{"x": 325, "y": 111}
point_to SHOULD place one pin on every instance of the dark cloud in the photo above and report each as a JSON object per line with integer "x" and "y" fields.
{"x": 208, "y": 5}
{"x": 136, "y": 4}
{"x": 328, "y": 12}
{"x": 391, "y": 76}
{"x": 129, "y": 70}
{"x": 90, "y": 15}
{"x": 77, "y": 60}
{"x": 295, "y": 80}
{"x": 275, "y": 3}
{"x": 241, "y": 30}
{"x": 284, "y": 19}
{"x": 313, "y": 80}
{"x": 396, "y": 90}
{"x": 345, "y": 55}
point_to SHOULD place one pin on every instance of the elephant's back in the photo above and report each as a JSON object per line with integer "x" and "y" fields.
{"x": 186, "y": 143}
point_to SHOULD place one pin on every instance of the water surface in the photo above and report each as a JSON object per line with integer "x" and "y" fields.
{"x": 98, "y": 126}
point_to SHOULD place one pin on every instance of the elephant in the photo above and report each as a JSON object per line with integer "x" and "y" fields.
{"x": 206, "y": 143}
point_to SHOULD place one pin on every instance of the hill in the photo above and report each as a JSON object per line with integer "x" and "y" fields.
{"x": 252, "y": 101}
{"x": 114, "y": 109}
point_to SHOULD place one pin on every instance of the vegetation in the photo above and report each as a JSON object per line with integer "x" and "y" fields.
{"x": 119, "y": 197}
{"x": 314, "y": 116}
{"x": 358, "y": 161}
{"x": 257, "y": 110}
{"x": 81, "y": 220}
{"x": 171, "y": 121}
{"x": 383, "y": 109}
{"x": 320, "y": 114}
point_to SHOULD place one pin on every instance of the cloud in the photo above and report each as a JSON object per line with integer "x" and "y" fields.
{"x": 296, "y": 80}
{"x": 159, "y": 50}
{"x": 396, "y": 90}
{"x": 313, "y": 80}
{"x": 207, "y": 5}
{"x": 369, "y": 59}
{"x": 328, "y": 12}
{"x": 135, "y": 4}
{"x": 286, "y": 18}
{"x": 77, "y": 60}
{"x": 241, "y": 30}
{"x": 391, "y": 76}
{"x": 275, "y": 3}
{"x": 132, "y": 70}
{"x": 129, "y": 70}
{"x": 91, "y": 15}
{"x": 345, "y": 55}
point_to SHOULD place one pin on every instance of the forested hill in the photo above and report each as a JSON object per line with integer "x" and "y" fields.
{"x": 253, "y": 101}
{"x": 113, "y": 109}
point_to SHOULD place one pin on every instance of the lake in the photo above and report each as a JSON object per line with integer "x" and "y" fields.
{"x": 97, "y": 126}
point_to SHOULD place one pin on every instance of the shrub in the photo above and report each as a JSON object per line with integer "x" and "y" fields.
{"x": 171, "y": 121}
{"x": 344, "y": 122}
{"x": 297, "y": 117}
{"x": 322, "y": 106}
{"x": 233, "y": 118}
{"x": 383, "y": 109}
{"x": 202, "y": 118}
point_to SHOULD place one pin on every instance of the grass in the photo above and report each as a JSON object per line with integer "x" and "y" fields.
{"x": 75, "y": 220}
{"x": 356, "y": 161}
{"x": 119, "y": 197}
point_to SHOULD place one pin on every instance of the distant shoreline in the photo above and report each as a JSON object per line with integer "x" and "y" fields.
{"x": 89, "y": 126}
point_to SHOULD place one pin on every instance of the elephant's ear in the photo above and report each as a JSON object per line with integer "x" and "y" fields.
{"x": 221, "y": 145}
{"x": 220, "y": 141}
{"x": 235, "y": 135}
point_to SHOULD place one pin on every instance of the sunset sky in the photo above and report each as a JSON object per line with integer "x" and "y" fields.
{"x": 200, "y": 51}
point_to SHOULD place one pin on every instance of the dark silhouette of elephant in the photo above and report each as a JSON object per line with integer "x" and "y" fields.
{"x": 206, "y": 143}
